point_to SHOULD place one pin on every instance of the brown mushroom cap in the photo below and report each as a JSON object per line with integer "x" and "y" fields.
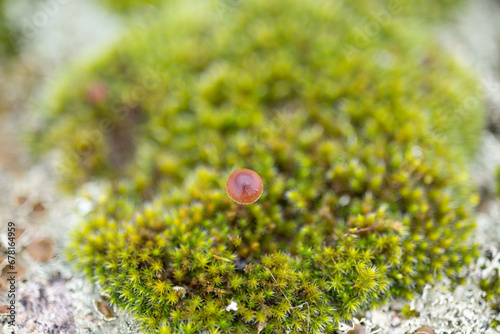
{"x": 244, "y": 186}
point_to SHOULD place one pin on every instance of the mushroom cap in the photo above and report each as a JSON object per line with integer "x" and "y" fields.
{"x": 244, "y": 186}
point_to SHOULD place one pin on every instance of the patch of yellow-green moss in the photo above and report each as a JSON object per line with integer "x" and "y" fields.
{"x": 7, "y": 35}
{"x": 491, "y": 285}
{"x": 426, "y": 9}
{"x": 361, "y": 142}
{"x": 128, "y": 6}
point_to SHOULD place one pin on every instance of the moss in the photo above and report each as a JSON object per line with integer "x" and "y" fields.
{"x": 127, "y": 6}
{"x": 426, "y": 9}
{"x": 7, "y": 35}
{"x": 407, "y": 312}
{"x": 497, "y": 183}
{"x": 491, "y": 285}
{"x": 361, "y": 143}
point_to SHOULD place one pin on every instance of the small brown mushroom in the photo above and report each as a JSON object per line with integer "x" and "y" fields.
{"x": 97, "y": 93}
{"x": 357, "y": 329}
{"x": 41, "y": 250}
{"x": 17, "y": 270}
{"x": 4, "y": 309}
{"x": 104, "y": 308}
{"x": 19, "y": 232}
{"x": 38, "y": 207}
{"x": 244, "y": 186}
{"x": 21, "y": 200}
{"x": 424, "y": 330}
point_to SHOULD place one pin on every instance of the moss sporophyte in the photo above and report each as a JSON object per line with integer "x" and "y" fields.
{"x": 362, "y": 155}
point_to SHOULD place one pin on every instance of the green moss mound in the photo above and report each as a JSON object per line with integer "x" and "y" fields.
{"x": 360, "y": 141}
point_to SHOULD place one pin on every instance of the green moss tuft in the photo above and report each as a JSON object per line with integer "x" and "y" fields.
{"x": 360, "y": 143}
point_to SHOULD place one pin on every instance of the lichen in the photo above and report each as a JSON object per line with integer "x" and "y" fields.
{"x": 360, "y": 139}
